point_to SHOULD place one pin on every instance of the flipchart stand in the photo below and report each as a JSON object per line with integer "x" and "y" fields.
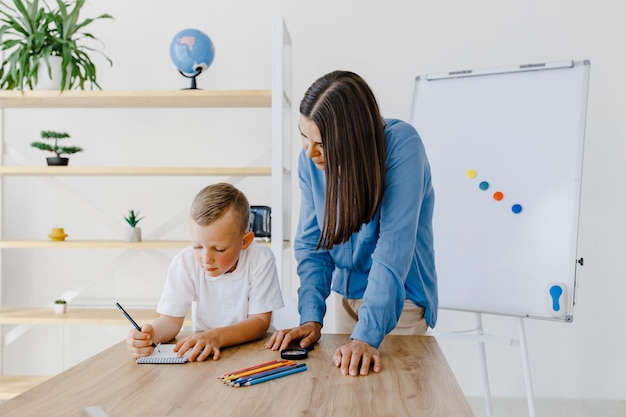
{"x": 478, "y": 335}
{"x": 505, "y": 147}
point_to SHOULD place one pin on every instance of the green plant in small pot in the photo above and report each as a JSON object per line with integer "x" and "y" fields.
{"x": 38, "y": 41}
{"x": 60, "y": 306}
{"x": 134, "y": 232}
{"x": 55, "y": 148}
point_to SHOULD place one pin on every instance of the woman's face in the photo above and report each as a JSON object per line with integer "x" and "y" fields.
{"x": 312, "y": 141}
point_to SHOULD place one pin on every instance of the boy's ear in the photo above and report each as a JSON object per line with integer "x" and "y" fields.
{"x": 248, "y": 237}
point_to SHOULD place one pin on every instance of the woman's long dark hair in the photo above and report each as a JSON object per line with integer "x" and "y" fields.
{"x": 346, "y": 113}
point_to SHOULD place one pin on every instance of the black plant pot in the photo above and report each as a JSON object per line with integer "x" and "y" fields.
{"x": 57, "y": 161}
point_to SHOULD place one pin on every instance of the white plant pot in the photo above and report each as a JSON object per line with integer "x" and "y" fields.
{"x": 133, "y": 234}
{"x": 52, "y": 80}
{"x": 60, "y": 308}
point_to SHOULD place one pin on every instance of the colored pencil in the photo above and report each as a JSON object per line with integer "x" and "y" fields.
{"x": 243, "y": 380}
{"x": 130, "y": 319}
{"x": 278, "y": 375}
{"x": 263, "y": 368}
{"x": 249, "y": 368}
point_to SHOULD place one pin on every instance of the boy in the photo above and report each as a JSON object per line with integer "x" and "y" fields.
{"x": 229, "y": 280}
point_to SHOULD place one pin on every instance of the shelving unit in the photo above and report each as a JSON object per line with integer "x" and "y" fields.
{"x": 279, "y": 173}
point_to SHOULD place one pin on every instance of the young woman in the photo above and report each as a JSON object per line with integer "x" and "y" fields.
{"x": 365, "y": 226}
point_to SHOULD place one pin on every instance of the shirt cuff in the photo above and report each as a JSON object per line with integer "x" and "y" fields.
{"x": 369, "y": 336}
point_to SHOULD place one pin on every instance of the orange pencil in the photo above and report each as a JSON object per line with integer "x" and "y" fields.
{"x": 248, "y": 369}
{"x": 263, "y": 368}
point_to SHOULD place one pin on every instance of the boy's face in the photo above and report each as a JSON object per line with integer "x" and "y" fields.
{"x": 216, "y": 247}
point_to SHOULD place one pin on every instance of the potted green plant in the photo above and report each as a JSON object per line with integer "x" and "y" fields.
{"x": 134, "y": 232}
{"x": 56, "y": 149}
{"x": 60, "y": 306}
{"x": 34, "y": 35}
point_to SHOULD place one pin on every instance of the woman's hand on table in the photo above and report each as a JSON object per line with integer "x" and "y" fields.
{"x": 356, "y": 358}
{"x": 307, "y": 333}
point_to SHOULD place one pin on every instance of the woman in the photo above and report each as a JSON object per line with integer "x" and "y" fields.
{"x": 365, "y": 227}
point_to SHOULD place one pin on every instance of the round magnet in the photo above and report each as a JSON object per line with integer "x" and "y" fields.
{"x": 294, "y": 354}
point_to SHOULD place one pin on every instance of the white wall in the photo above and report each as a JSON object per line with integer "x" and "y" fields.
{"x": 388, "y": 43}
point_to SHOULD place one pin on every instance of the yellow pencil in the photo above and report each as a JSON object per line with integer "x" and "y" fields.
{"x": 254, "y": 371}
{"x": 248, "y": 369}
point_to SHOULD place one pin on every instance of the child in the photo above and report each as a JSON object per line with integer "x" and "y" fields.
{"x": 229, "y": 280}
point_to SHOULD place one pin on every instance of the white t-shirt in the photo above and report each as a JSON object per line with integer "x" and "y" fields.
{"x": 252, "y": 288}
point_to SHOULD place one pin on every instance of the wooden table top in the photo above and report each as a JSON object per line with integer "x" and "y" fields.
{"x": 415, "y": 381}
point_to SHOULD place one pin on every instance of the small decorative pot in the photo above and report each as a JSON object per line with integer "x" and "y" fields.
{"x": 56, "y": 161}
{"x": 50, "y": 80}
{"x": 60, "y": 308}
{"x": 58, "y": 234}
{"x": 133, "y": 234}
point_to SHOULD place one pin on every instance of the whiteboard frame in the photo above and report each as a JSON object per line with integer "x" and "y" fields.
{"x": 576, "y": 260}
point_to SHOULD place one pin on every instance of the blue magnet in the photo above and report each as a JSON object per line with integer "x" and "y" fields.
{"x": 557, "y": 298}
{"x": 516, "y": 208}
{"x": 483, "y": 185}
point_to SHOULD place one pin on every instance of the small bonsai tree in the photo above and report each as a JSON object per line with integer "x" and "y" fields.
{"x": 133, "y": 218}
{"x": 58, "y": 150}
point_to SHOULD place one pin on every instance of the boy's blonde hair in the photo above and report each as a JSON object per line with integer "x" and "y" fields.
{"x": 215, "y": 200}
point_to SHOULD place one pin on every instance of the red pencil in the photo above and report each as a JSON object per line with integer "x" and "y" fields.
{"x": 248, "y": 369}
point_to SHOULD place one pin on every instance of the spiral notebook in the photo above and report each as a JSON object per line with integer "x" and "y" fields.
{"x": 166, "y": 355}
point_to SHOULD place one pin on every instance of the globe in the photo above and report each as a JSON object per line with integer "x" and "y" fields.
{"x": 192, "y": 52}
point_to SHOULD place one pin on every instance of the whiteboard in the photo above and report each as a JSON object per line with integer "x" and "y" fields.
{"x": 506, "y": 149}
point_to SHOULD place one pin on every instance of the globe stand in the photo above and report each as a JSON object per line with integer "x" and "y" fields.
{"x": 193, "y": 78}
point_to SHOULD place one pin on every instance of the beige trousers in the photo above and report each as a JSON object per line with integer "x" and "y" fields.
{"x": 411, "y": 320}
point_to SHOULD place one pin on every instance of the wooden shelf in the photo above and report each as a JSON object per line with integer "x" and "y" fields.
{"x": 132, "y": 171}
{"x": 78, "y": 316}
{"x": 93, "y": 244}
{"x": 12, "y": 386}
{"x": 136, "y": 99}
{"x": 104, "y": 244}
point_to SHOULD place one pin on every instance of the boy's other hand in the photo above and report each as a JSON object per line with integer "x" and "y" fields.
{"x": 202, "y": 346}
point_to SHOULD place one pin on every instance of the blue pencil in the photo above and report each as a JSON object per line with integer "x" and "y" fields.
{"x": 240, "y": 381}
{"x": 294, "y": 370}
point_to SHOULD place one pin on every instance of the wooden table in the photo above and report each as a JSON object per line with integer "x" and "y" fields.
{"x": 415, "y": 381}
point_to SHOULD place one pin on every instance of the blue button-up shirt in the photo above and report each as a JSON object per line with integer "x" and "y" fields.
{"x": 389, "y": 260}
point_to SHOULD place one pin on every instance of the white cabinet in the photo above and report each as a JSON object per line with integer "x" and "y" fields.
{"x": 278, "y": 173}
